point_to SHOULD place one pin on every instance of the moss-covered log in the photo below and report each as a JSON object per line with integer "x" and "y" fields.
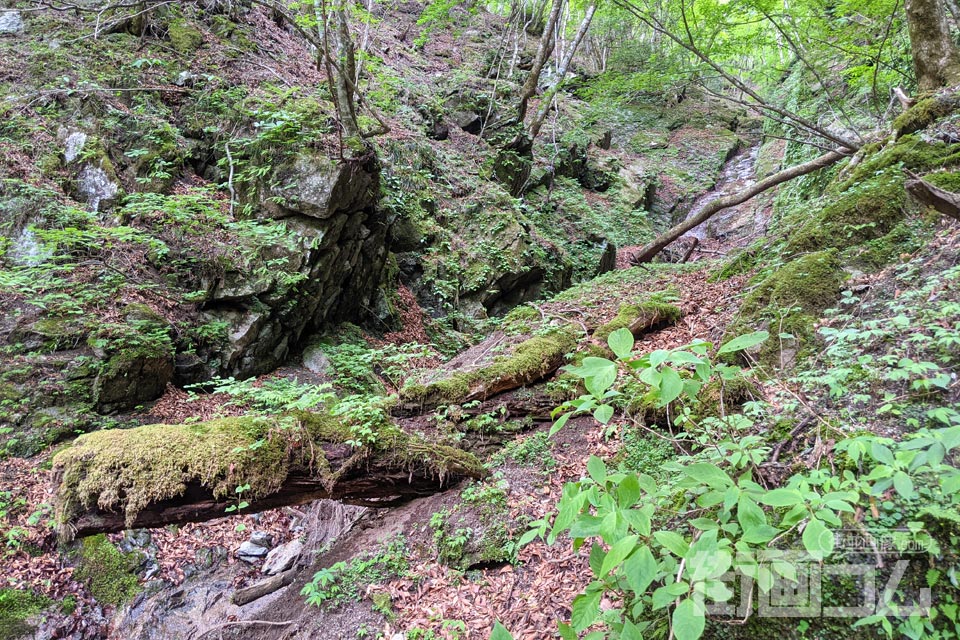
{"x": 167, "y": 474}
{"x": 639, "y": 318}
{"x": 494, "y": 366}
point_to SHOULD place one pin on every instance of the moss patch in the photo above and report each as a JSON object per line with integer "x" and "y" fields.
{"x": 109, "y": 574}
{"x": 16, "y": 608}
{"x": 811, "y": 282}
{"x": 629, "y": 314}
{"x": 184, "y": 37}
{"x": 925, "y": 113}
{"x": 867, "y": 211}
{"x": 531, "y": 359}
{"x": 131, "y": 469}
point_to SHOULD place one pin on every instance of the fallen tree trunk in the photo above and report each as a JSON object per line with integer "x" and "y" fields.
{"x": 647, "y": 253}
{"x": 946, "y": 202}
{"x": 263, "y": 588}
{"x": 156, "y": 475}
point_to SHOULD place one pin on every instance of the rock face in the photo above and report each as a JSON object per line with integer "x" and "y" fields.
{"x": 341, "y": 248}
{"x": 11, "y": 23}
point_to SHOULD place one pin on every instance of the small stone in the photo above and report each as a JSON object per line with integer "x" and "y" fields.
{"x": 11, "y": 23}
{"x": 282, "y": 558}
{"x": 249, "y": 552}
{"x": 261, "y": 539}
{"x": 315, "y": 360}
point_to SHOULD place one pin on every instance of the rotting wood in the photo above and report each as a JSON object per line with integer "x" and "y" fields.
{"x": 946, "y": 202}
{"x": 263, "y": 588}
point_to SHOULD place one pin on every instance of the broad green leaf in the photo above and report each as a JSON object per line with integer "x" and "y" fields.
{"x": 817, "y": 539}
{"x": 621, "y": 342}
{"x": 630, "y": 631}
{"x": 640, "y": 570}
{"x": 617, "y": 554}
{"x": 744, "y": 342}
{"x": 638, "y": 519}
{"x": 709, "y": 474}
{"x": 688, "y": 620}
{"x": 759, "y": 535}
{"x": 672, "y": 542}
{"x": 585, "y": 609}
{"x": 500, "y": 632}
{"x": 749, "y": 514}
{"x": 903, "y": 484}
{"x": 671, "y": 386}
{"x": 782, "y": 498}
{"x": 597, "y": 469}
{"x": 566, "y": 631}
{"x": 628, "y": 492}
{"x": 603, "y": 413}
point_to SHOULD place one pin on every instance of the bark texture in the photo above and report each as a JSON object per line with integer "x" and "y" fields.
{"x": 935, "y": 58}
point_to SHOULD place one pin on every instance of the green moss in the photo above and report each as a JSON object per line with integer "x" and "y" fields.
{"x": 720, "y": 396}
{"x": 109, "y": 574}
{"x": 629, "y": 314}
{"x": 130, "y": 469}
{"x": 910, "y": 152}
{"x": 742, "y": 262}
{"x": 788, "y": 301}
{"x": 924, "y": 113}
{"x": 16, "y": 607}
{"x": 184, "y": 37}
{"x": 811, "y": 282}
{"x": 133, "y": 468}
{"x": 531, "y": 359}
{"x": 865, "y": 212}
{"x": 946, "y": 180}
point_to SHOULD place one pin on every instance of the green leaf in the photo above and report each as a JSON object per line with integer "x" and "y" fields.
{"x": 749, "y": 514}
{"x": 559, "y": 424}
{"x": 744, "y": 342}
{"x": 709, "y": 474}
{"x": 688, "y": 620}
{"x": 585, "y": 609}
{"x": 671, "y": 386}
{"x": 617, "y": 554}
{"x": 640, "y": 570}
{"x": 500, "y": 632}
{"x": 630, "y": 631}
{"x": 566, "y": 631}
{"x": 597, "y": 469}
{"x": 903, "y": 484}
{"x": 621, "y": 342}
{"x": 817, "y": 539}
{"x": 628, "y": 492}
{"x": 672, "y": 542}
{"x": 603, "y": 413}
{"x": 782, "y": 498}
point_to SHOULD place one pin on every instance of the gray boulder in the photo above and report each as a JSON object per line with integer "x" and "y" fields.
{"x": 11, "y": 23}
{"x": 282, "y": 558}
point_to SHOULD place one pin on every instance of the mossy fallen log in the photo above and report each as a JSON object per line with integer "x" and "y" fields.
{"x": 167, "y": 474}
{"x": 492, "y": 367}
{"x": 639, "y": 318}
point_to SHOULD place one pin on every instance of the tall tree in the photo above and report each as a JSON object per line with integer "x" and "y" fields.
{"x": 936, "y": 61}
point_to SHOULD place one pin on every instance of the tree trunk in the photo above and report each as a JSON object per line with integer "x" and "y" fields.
{"x": 544, "y": 109}
{"x": 946, "y": 202}
{"x": 544, "y": 51}
{"x": 648, "y": 252}
{"x": 935, "y": 58}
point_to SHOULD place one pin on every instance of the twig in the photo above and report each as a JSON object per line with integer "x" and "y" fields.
{"x": 235, "y": 623}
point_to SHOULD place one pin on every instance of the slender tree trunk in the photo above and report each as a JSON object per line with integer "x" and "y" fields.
{"x": 648, "y": 252}
{"x": 548, "y": 97}
{"x": 547, "y": 43}
{"x": 935, "y": 58}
